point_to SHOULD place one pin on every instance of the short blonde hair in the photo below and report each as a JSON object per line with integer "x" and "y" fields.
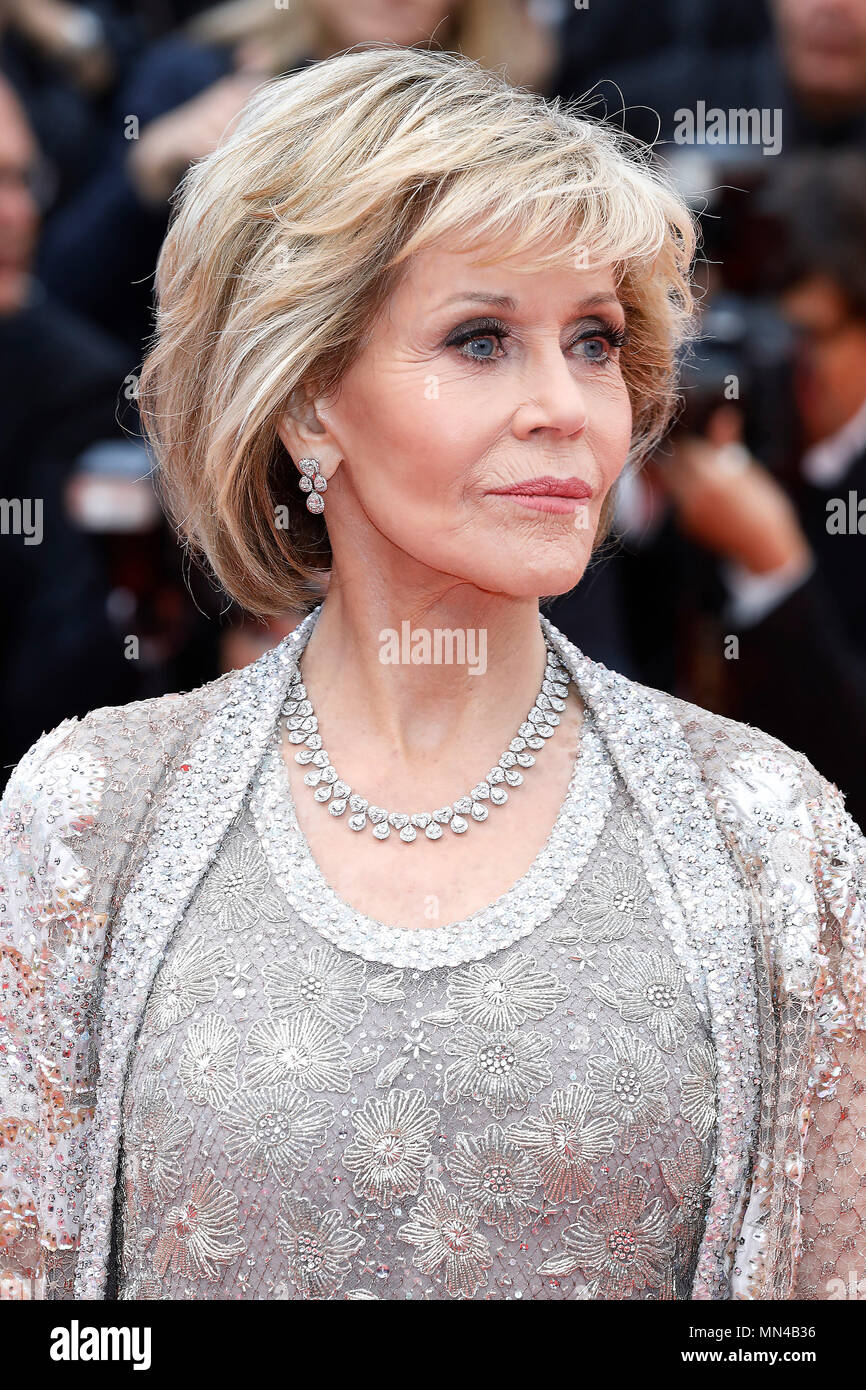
{"x": 290, "y": 237}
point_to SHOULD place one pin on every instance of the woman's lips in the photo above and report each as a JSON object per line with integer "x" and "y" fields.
{"x": 545, "y": 504}
{"x": 548, "y": 494}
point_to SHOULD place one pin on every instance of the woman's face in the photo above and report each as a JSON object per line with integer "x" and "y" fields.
{"x": 473, "y": 381}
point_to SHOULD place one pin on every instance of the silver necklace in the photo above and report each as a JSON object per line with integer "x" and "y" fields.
{"x": 329, "y": 789}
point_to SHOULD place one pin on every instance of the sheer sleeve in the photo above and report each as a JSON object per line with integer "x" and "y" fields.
{"x": 44, "y": 922}
{"x": 832, "y": 1261}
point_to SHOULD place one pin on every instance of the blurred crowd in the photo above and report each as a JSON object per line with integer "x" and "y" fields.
{"x": 736, "y": 576}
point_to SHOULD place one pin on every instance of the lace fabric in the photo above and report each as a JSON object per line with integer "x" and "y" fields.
{"x": 804, "y": 1232}
{"x": 533, "y": 1121}
{"x": 74, "y": 824}
{"x": 108, "y": 824}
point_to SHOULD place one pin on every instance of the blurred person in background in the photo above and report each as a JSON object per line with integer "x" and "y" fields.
{"x": 99, "y": 254}
{"x": 800, "y": 605}
{"x": 65, "y": 62}
{"x": 58, "y": 387}
{"x": 811, "y": 66}
{"x": 715, "y": 532}
{"x": 791, "y": 551}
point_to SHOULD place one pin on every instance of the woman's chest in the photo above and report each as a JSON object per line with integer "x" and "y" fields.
{"x": 302, "y": 1122}
{"x": 480, "y": 851}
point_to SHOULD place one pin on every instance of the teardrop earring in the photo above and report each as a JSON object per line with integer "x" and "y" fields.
{"x": 313, "y": 484}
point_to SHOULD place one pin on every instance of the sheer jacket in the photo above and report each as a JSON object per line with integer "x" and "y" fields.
{"x": 109, "y": 822}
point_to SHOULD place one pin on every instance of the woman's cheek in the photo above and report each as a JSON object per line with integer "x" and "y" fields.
{"x": 615, "y": 430}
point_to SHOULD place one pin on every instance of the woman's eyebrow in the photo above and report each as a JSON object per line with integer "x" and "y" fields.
{"x": 505, "y": 301}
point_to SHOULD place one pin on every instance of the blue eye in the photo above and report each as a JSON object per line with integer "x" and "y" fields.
{"x": 596, "y": 342}
{"x": 599, "y": 351}
{"x": 480, "y": 331}
{"x": 482, "y": 338}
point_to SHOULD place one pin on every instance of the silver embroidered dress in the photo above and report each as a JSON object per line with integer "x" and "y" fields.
{"x": 521, "y": 1105}
{"x": 115, "y": 832}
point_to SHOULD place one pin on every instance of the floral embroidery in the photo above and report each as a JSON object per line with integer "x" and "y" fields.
{"x": 325, "y": 983}
{"x": 502, "y": 995}
{"x": 141, "y": 1283}
{"x": 625, "y": 830}
{"x": 135, "y": 1244}
{"x": 571, "y": 933}
{"x": 275, "y": 1129}
{"x": 502, "y": 1070}
{"x": 610, "y": 903}
{"x": 416, "y": 1048}
{"x": 496, "y": 1178}
{"x": 155, "y": 1139}
{"x": 631, "y": 1085}
{"x": 208, "y": 1062}
{"x": 239, "y": 975}
{"x": 237, "y": 892}
{"x": 387, "y": 988}
{"x": 304, "y": 1049}
{"x": 200, "y": 1232}
{"x": 142, "y": 1286}
{"x": 699, "y": 1089}
{"x": 620, "y": 1240}
{"x": 565, "y": 1141}
{"x": 391, "y": 1146}
{"x": 442, "y": 1227}
{"x": 651, "y": 989}
{"x": 160, "y": 1054}
{"x": 690, "y": 1185}
{"x": 369, "y": 1186}
{"x": 185, "y": 980}
{"x": 318, "y": 1246}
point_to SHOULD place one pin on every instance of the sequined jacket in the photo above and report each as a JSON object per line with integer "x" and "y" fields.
{"x": 109, "y": 822}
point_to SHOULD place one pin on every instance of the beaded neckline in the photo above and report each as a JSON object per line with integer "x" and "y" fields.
{"x": 513, "y": 915}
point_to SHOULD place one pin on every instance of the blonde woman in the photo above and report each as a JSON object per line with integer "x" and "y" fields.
{"x": 424, "y": 957}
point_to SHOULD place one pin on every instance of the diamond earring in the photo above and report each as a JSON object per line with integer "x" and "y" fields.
{"x": 313, "y": 484}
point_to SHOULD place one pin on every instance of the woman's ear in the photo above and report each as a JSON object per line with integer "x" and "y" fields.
{"x": 303, "y": 434}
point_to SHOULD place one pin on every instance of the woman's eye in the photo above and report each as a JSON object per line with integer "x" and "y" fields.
{"x": 486, "y": 342}
{"x": 595, "y": 349}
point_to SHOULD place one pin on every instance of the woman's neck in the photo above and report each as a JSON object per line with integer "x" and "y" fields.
{"x": 418, "y": 672}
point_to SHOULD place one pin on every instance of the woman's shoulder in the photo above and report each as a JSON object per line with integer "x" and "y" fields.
{"x": 721, "y": 744}
{"x": 728, "y": 753}
{"x": 783, "y": 813}
{"x": 78, "y": 800}
{"x": 113, "y": 743}
{"x": 756, "y": 779}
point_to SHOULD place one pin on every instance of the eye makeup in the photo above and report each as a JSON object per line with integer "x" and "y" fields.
{"x": 478, "y": 329}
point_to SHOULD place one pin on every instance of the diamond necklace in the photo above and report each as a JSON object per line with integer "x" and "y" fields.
{"x": 329, "y": 789}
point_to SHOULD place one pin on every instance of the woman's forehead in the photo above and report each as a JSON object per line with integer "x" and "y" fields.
{"x": 439, "y": 278}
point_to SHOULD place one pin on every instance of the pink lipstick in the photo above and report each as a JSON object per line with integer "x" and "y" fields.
{"x": 547, "y": 494}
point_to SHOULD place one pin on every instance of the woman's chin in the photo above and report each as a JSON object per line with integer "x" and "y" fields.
{"x": 535, "y": 581}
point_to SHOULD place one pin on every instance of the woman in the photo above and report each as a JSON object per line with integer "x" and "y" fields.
{"x": 364, "y": 1020}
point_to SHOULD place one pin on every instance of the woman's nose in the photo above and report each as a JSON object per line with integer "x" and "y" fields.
{"x": 552, "y": 397}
